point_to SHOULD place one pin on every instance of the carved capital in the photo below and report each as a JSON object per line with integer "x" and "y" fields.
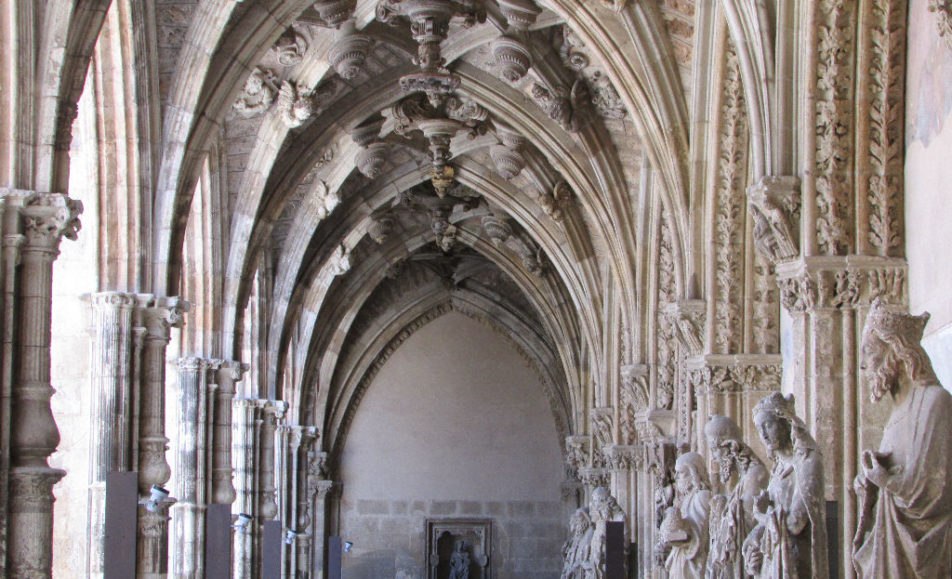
{"x": 595, "y": 477}
{"x": 577, "y": 449}
{"x": 774, "y": 204}
{"x": 47, "y": 218}
{"x": 160, "y": 314}
{"x": 623, "y": 457}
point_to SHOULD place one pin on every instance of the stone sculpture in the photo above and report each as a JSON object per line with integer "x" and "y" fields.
{"x": 604, "y": 508}
{"x": 576, "y": 552}
{"x": 685, "y": 526}
{"x": 459, "y": 562}
{"x": 732, "y": 514}
{"x": 790, "y": 537}
{"x": 905, "y": 527}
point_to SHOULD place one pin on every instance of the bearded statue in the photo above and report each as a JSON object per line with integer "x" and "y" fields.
{"x": 905, "y": 527}
{"x": 732, "y": 515}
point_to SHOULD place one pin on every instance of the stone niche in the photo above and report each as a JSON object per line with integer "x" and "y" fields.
{"x": 475, "y": 536}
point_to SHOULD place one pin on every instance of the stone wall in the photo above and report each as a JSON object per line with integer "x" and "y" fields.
{"x": 455, "y": 425}
{"x": 928, "y": 174}
{"x": 390, "y": 536}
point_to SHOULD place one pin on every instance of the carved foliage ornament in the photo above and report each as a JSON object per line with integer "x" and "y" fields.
{"x": 943, "y": 15}
{"x": 842, "y": 288}
{"x": 258, "y": 93}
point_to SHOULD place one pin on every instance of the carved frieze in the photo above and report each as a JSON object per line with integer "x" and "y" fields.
{"x": 841, "y": 282}
{"x": 738, "y": 373}
{"x": 623, "y": 457}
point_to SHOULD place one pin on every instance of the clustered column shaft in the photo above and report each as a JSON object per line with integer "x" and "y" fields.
{"x": 33, "y": 225}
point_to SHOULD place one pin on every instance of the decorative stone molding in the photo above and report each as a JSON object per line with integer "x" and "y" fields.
{"x": 334, "y": 13}
{"x": 689, "y": 318}
{"x": 556, "y": 202}
{"x": 290, "y": 47}
{"x": 634, "y": 400}
{"x": 834, "y": 105}
{"x": 339, "y": 262}
{"x": 509, "y": 162}
{"x": 294, "y": 106}
{"x": 943, "y": 14}
{"x": 512, "y": 58}
{"x": 838, "y": 283}
{"x": 497, "y": 229}
{"x": 560, "y": 105}
{"x": 884, "y": 123}
{"x": 774, "y": 204}
{"x": 577, "y": 450}
{"x": 380, "y": 229}
{"x": 624, "y": 457}
{"x": 520, "y": 14}
{"x": 605, "y": 98}
{"x": 594, "y": 477}
{"x": 349, "y": 53}
{"x": 258, "y": 94}
{"x": 719, "y": 374}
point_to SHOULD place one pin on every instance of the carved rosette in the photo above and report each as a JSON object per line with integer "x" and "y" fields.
{"x": 349, "y": 53}
{"x": 841, "y": 283}
{"x": 512, "y": 58}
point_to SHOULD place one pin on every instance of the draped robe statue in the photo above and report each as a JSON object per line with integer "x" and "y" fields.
{"x": 685, "y": 525}
{"x": 732, "y": 516}
{"x": 790, "y": 537}
{"x": 604, "y": 508}
{"x": 905, "y": 527}
{"x": 576, "y": 553}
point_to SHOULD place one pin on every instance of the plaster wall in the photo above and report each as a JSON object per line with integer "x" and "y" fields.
{"x": 928, "y": 210}
{"x": 455, "y": 425}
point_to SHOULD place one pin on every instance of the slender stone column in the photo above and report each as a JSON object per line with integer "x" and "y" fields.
{"x": 227, "y": 373}
{"x": 190, "y": 469}
{"x": 157, "y": 318}
{"x": 245, "y": 426}
{"x": 267, "y": 499}
{"x": 44, "y": 218}
{"x": 318, "y": 490}
{"x": 111, "y": 413}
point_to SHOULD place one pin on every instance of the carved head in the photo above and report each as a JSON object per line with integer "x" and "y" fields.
{"x": 690, "y": 474}
{"x": 777, "y": 423}
{"x": 725, "y": 441}
{"x": 891, "y": 350}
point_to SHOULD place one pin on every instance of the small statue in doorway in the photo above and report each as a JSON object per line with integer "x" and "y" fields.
{"x": 790, "y": 537}
{"x": 905, "y": 527}
{"x": 459, "y": 562}
{"x": 732, "y": 515}
{"x": 684, "y": 529}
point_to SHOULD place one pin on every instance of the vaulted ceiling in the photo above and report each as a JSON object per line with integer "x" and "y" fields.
{"x": 511, "y": 188}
